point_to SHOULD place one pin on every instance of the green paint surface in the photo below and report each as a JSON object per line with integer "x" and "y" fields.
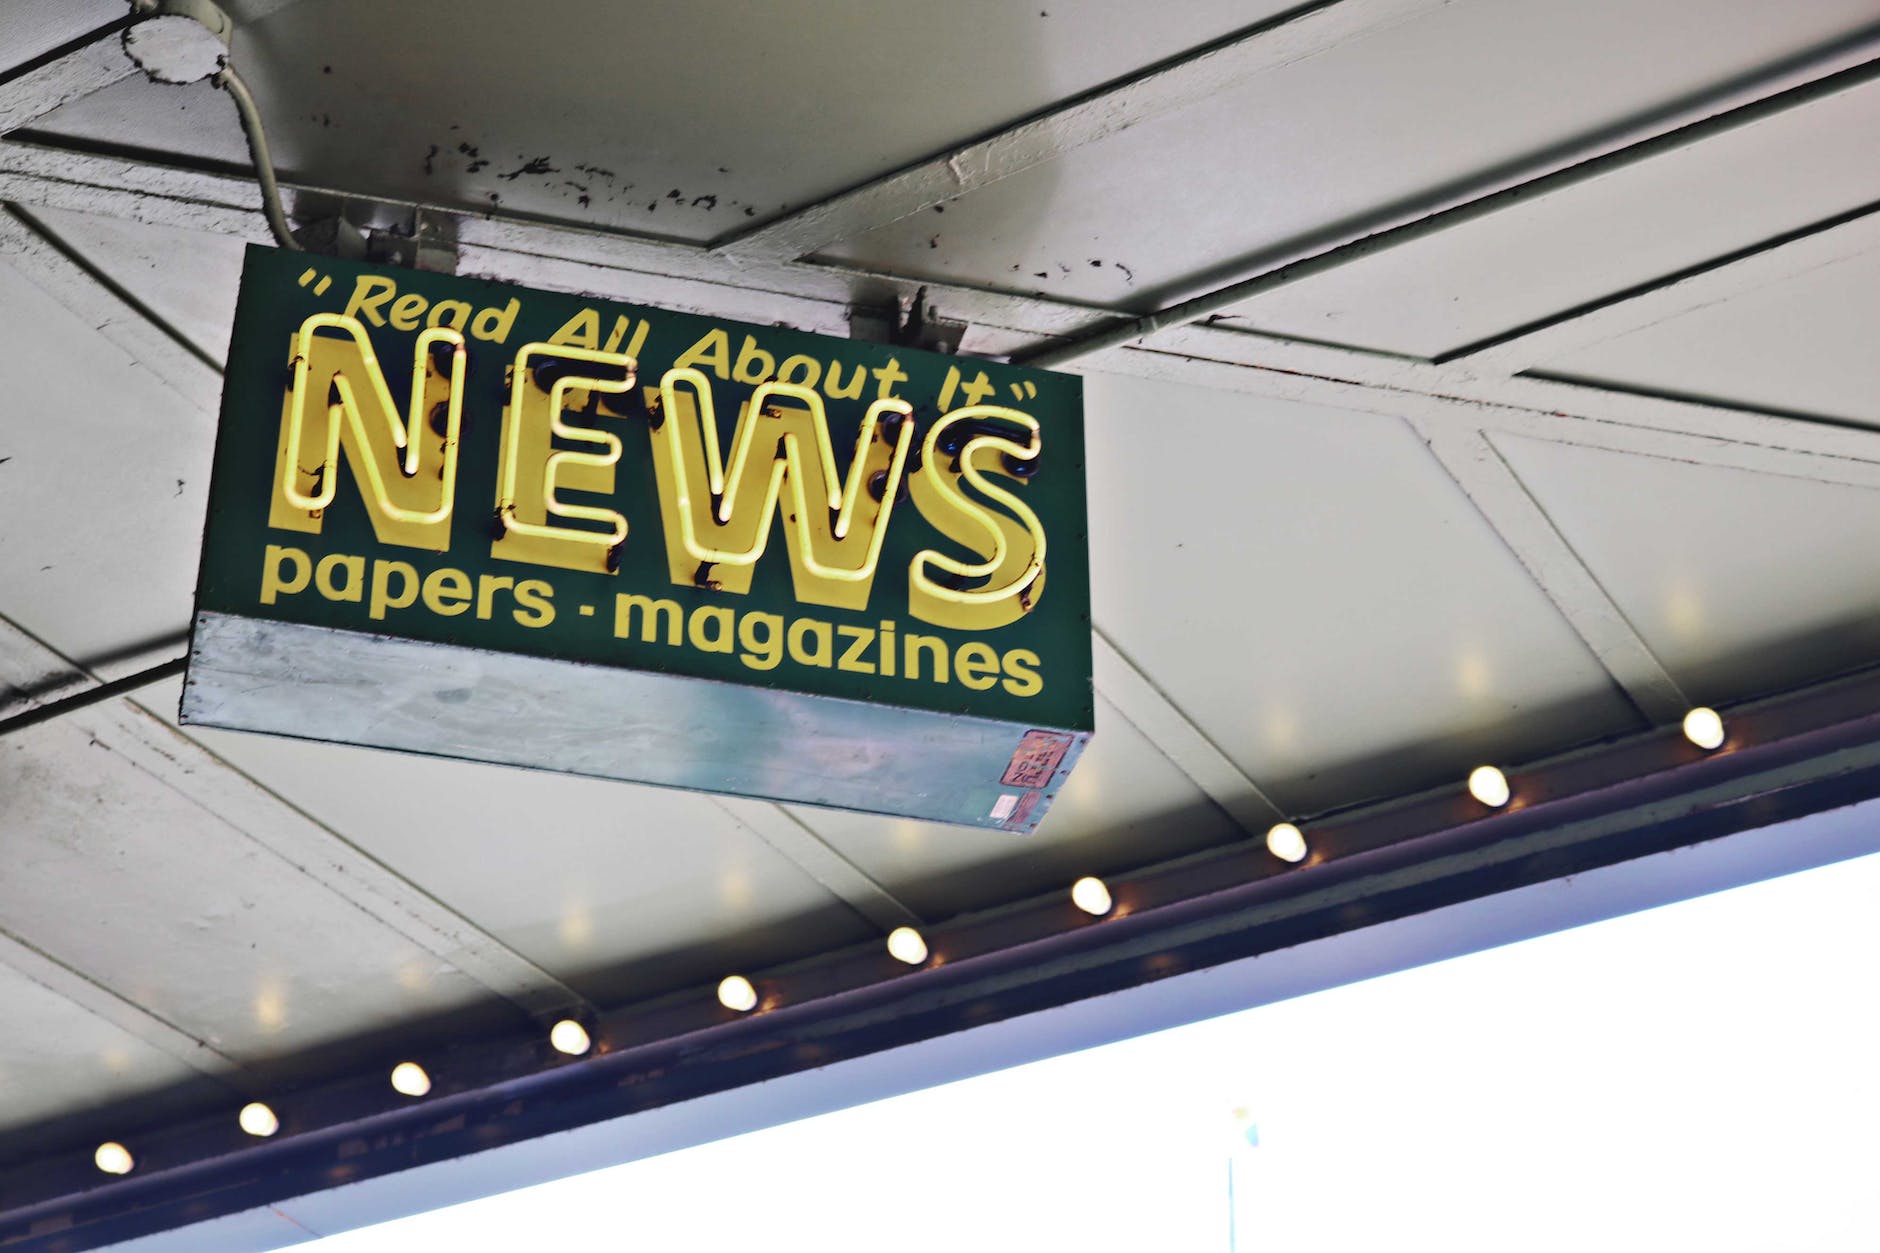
{"x": 273, "y": 303}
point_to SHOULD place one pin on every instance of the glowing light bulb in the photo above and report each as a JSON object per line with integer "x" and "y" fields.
{"x": 258, "y": 1120}
{"x": 570, "y": 1037}
{"x": 410, "y": 1079}
{"x": 113, "y": 1158}
{"x": 1286, "y": 842}
{"x": 1091, "y": 895}
{"x": 1704, "y": 728}
{"x": 736, "y": 992}
{"x": 905, "y": 944}
{"x": 1489, "y": 785}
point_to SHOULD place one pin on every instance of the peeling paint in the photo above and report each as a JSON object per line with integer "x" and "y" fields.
{"x": 534, "y": 165}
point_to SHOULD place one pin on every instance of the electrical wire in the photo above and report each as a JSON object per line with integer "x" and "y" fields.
{"x": 231, "y": 82}
{"x": 92, "y": 696}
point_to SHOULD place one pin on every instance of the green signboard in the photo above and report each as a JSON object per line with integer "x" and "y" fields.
{"x": 465, "y": 518}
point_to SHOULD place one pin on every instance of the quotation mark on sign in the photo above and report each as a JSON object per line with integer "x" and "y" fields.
{"x": 319, "y": 288}
{"x": 1025, "y": 390}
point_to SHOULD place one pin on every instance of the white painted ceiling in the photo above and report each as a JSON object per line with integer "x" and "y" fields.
{"x": 1326, "y": 569}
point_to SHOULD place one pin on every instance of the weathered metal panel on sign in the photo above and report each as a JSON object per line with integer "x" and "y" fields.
{"x": 459, "y": 517}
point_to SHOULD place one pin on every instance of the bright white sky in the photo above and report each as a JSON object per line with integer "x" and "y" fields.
{"x": 1701, "y": 1076}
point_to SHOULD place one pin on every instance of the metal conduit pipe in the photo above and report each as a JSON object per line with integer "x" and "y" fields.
{"x": 228, "y": 80}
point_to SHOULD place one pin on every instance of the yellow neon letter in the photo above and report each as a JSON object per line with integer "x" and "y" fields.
{"x": 407, "y": 478}
{"x": 533, "y": 472}
{"x": 1012, "y": 544}
{"x": 718, "y": 518}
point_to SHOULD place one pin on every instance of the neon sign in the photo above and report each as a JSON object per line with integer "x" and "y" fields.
{"x": 599, "y": 488}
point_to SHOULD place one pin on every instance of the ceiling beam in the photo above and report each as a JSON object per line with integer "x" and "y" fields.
{"x": 1566, "y": 412}
{"x": 1842, "y": 65}
{"x": 1292, "y": 37}
{"x": 131, "y": 189}
{"x": 1835, "y": 239}
{"x": 1492, "y": 486}
{"x": 67, "y": 73}
{"x": 1147, "y": 708}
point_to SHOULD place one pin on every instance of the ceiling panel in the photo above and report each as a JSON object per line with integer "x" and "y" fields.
{"x": 119, "y": 875}
{"x": 1125, "y": 806}
{"x": 619, "y": 890}
{"x": 31, "y": 27}
{"x": 1741, "y": 583}
{"x": 1556, "y": 252}
{"x": 1311, "y": 588}
{"x": 687, "y": 120}
{"x": 1192, "y": 199}
{"x": 188, "y": 279}
{"x": 103, "y": 485}
{"x": 56, "y": 1056}
{"x": 1800, "y": 346}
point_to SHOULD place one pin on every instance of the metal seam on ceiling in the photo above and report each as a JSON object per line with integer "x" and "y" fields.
{"x": 1598, "y": 159}
{"x": 310, "y": 848}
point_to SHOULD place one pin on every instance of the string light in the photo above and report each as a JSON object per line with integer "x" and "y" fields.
{"x": 1091, "y": 895}
{"x": 570, "y": 1037}
{"x": 1704, "y": 728}
{"x": 1489, "y": 785}
{"x": 113, "y": 1158}
{"x": 410, "y": 1079}
{"x": 905, "y": 944}
{"x": 258, "y": 1120}
{"x": 1286, "y": 842}
{"x": 735, "y": 992}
